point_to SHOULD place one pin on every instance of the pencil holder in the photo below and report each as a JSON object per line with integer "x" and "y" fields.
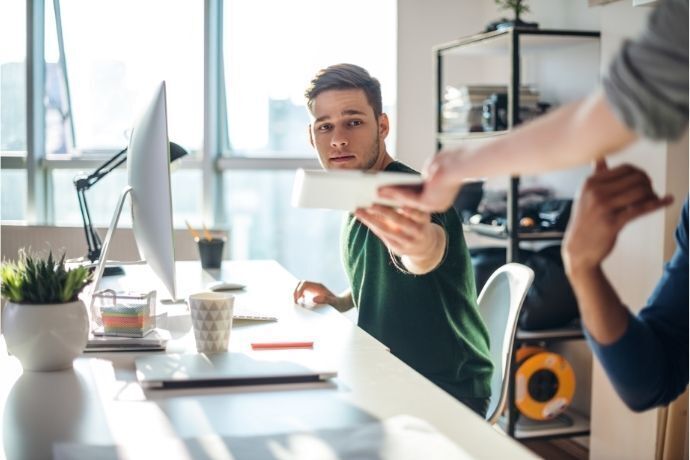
{"x": 211, "y": 251}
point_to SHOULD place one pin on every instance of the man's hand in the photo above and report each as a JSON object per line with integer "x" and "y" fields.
{"x": 408, "y": 233}
{"x": 439, "y": 190}
{"x": 309, "y": 293}
{"x": 608, "y": 201}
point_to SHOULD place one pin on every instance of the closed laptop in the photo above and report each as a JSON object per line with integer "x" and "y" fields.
{"x": 231, "y": 369}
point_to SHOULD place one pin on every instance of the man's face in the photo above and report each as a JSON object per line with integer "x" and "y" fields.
{"x": 345, "y": 132}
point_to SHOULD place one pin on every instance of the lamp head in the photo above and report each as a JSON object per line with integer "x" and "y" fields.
{"x": 176, "y": 152}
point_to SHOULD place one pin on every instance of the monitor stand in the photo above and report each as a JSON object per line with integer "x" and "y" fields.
{"x": 102, "y": 261}
{"x": 100, "y": 268}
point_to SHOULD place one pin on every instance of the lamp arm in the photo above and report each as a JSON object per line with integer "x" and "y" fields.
{"x": 103, "y": 170}
{"x": 82, "y": 184}
{"x": 93, "y": 241}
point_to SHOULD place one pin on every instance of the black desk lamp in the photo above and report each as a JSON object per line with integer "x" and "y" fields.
{"x": 83, "y": 183}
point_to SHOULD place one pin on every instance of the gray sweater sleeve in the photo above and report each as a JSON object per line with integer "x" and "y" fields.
{"x": 647, "y": 84}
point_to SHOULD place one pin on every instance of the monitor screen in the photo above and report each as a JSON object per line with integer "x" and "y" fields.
{"x": 148, "y": 172}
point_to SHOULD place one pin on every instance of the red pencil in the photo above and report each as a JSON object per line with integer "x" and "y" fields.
{"x": 281, "y": 345}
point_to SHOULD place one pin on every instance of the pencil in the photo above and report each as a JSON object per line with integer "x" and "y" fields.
{"x": 207, "y": 234}
{"x": 194, "y": 233}
{"x": 281, "y": 345}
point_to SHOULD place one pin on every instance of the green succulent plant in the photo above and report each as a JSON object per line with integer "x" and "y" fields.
{"x": 37, "y": 280}
{"x": 518, "y": 6}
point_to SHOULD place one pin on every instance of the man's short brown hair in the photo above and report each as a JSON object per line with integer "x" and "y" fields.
{"x": 345, "y": 76}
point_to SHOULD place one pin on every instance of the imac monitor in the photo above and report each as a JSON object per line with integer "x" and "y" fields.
{"x": 148, "y": 175}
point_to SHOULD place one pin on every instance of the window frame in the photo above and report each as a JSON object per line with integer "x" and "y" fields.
{"x": 214, "y": 158}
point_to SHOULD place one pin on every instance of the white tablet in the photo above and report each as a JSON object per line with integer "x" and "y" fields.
{"x": 345, "y": 190}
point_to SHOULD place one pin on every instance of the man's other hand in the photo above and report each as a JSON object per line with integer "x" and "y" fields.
{"x": 310, "y": 293}
{"x": 608, "y": 201}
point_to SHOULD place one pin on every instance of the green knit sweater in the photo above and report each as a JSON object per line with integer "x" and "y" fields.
{"x": 430, "y": 321}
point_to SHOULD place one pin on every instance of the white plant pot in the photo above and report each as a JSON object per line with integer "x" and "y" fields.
{"x": 45, "y": 337}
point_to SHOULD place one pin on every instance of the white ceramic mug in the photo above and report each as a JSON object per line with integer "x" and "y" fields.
{"x": 211, "y": 320}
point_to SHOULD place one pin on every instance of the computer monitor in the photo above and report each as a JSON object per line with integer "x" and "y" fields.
{"x": 148, "y": 173}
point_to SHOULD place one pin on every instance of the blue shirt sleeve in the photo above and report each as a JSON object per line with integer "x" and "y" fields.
{"x": 648, "y": 366}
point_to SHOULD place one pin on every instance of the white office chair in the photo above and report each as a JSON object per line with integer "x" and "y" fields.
{"x": 500, "y": 303}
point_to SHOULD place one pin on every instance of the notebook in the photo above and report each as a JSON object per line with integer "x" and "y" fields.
{"x": 155, "y": 340}
{"x": 231, "y": 369}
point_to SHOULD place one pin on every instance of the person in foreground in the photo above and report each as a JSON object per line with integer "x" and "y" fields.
{"x": 644, "y": 95}
{"x": 409, "y": 271}
{"x": 645, "y": 356}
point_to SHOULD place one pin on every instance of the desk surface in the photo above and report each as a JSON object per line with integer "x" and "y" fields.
{"x": 100, "y": 402}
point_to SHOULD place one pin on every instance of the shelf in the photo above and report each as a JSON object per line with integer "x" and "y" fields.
{"x": 569, "y": 424}
{"x": 565, "y": 333}
{"x": 498, "y": 42}
{"x": 499, "y": 232}
{"x": 541, "y": 236}
{"x": 449, "y": 137}
{"x": 493, "y": 231}
{"x": 562, "y": 64}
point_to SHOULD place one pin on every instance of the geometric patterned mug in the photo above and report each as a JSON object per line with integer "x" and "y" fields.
{"x": 211, "y": 320}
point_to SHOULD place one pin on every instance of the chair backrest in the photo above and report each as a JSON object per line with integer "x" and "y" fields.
{"x": 499, "y": 305}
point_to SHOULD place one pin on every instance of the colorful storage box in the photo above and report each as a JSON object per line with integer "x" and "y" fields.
{"x": 125, "y": 314}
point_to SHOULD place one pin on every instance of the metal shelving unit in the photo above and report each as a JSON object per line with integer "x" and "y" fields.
{"x": 500, "y": 232}
{"x": 550, "y": 335}
{"x": 512, "y": 45}
{"x": 569, "y": 424}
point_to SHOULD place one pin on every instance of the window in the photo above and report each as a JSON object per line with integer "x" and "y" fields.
{"x": 102, "y": 60}
{"x": 13, "y": 183}
{"x": 12, "y": 77}
{"x": 273, "y": 48}
{"x": 13, "y": 193}
{"x": 103, "y": 197}
{"x": 263, "y": 225}
{"x": 115, "y": 53}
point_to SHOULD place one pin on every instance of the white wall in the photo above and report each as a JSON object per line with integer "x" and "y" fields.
{"x": 421, "y": 25}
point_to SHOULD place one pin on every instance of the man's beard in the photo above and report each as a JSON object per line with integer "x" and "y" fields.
{"x": 375, "y": 151}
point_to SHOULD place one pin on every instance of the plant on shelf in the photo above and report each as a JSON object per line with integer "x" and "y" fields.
{"x": 44, "y": 322}
{"x": 518, "y": 7}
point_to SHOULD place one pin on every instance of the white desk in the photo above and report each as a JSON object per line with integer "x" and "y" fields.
{"x": 100, "y": 402}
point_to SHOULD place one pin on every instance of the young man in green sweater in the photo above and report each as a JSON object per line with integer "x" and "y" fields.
{"x": 409, "y": 271}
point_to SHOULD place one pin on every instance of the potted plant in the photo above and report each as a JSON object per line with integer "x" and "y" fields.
{"x": 44, "y": 322}
{"x": 518, "y": 7}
